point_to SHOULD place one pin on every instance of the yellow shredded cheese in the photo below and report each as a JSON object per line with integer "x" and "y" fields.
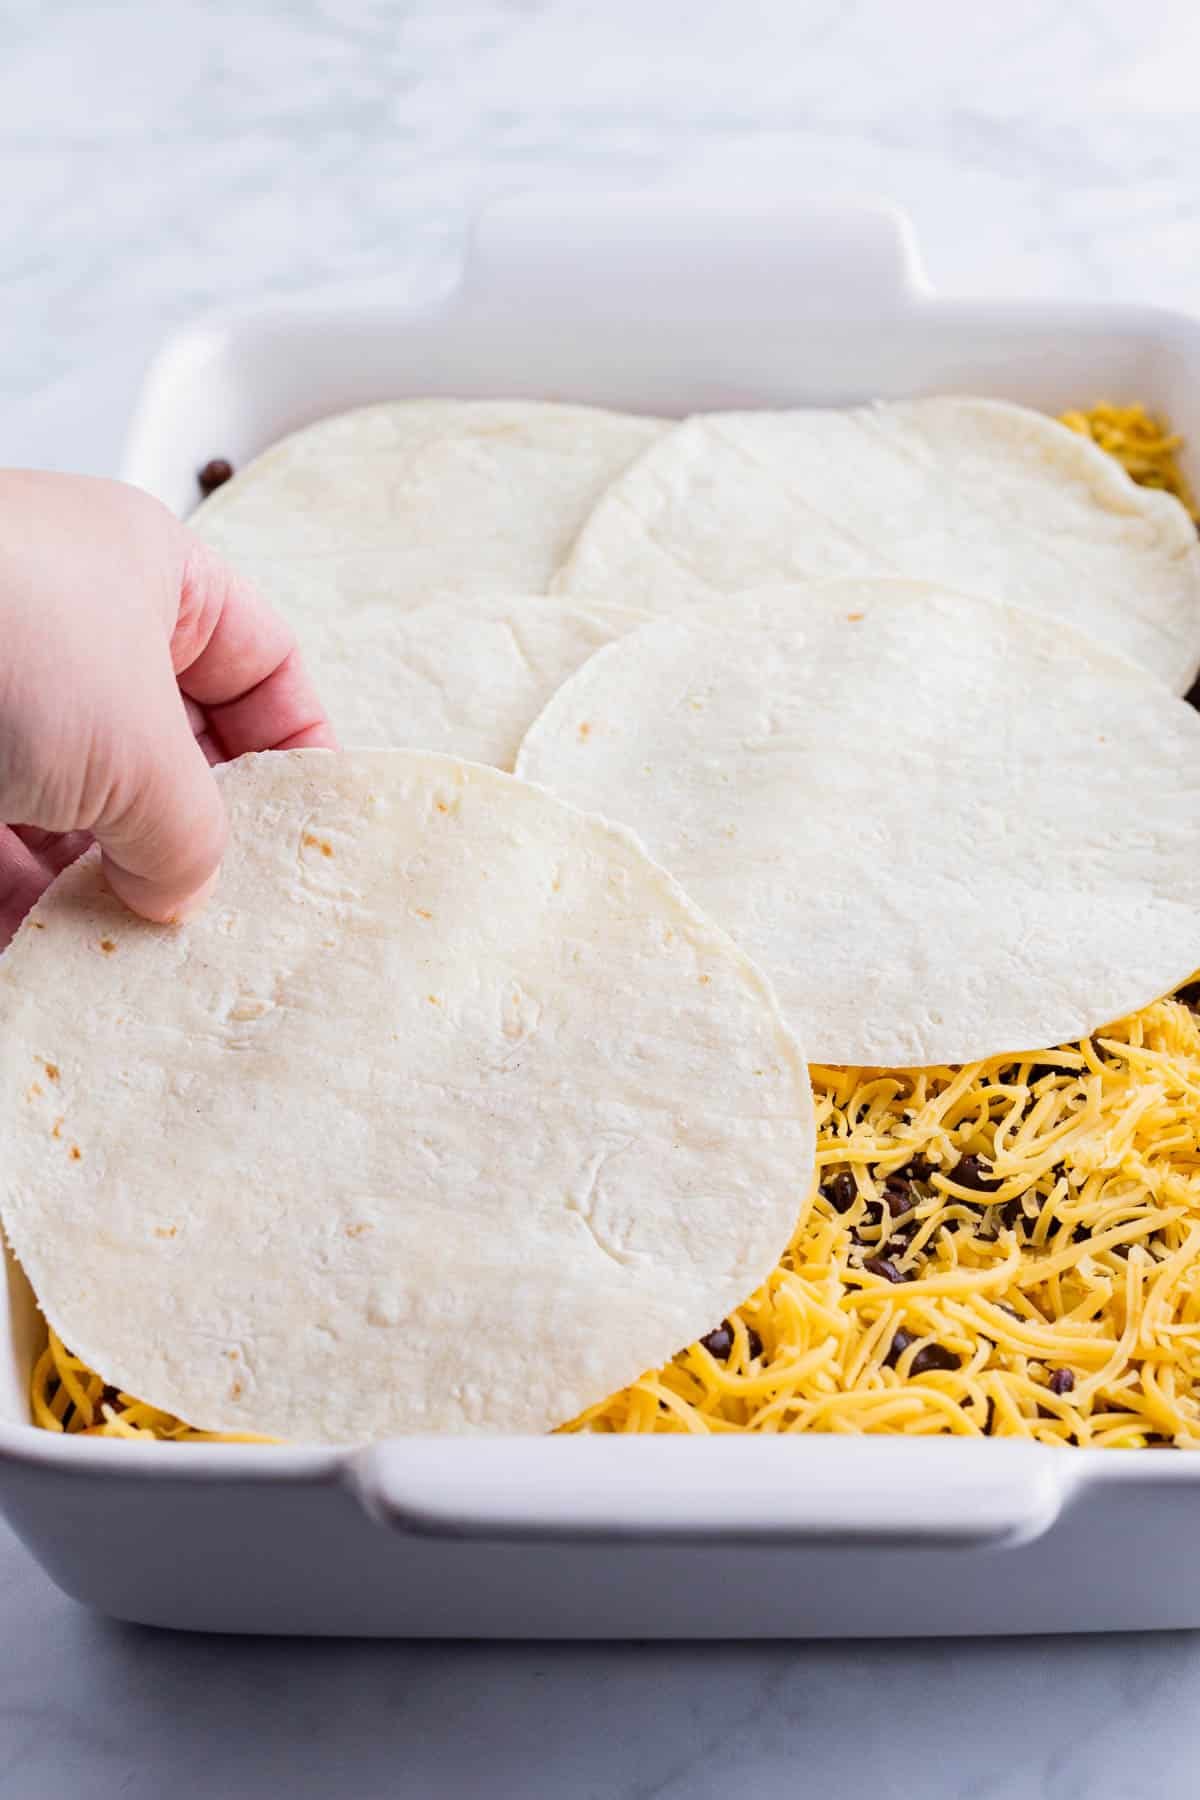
{"x": 66, "y": 1395}
{"x": 1144, "y": 446}
{"x": 1062, "y": 1303}
{"x": 1059, "y": 1300}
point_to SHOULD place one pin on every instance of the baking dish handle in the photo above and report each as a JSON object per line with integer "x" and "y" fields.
{"x": 742, "y": 258}
{"x": 870, "y": 1493}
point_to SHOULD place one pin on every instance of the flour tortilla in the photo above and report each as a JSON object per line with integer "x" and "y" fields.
{"x": 976, "y": 495}
{"x": 946, "y": 828}
{"x": 464, "y": 676}
{"x": 410, "y": 501}
{"x": 450, "y": 1113}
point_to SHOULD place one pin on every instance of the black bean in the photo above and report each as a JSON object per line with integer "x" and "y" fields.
{"x": 902, "y": 1235}
{"x": 1062, "y": 1381}
{"x": 719, "y": 1343}
{"x": 897, "y": 1196}
{"x": 871, "y": 1221}
{"x": 990, "y": 1421}
{"x": 1189, "y": 993}
{"x": 929, "y": 1356}
{"x": 934, "y": 1356}
{"x": 1193, "y": 694}
{"x": 971, "y": 1172}
{"x": 756, "y": 1344}
{"x": 840, "y": 1191}
{"x": 213, "y": 475}
{"x": 919, "y": 1169}
{"x": 884, "y": 1267}
{"x": 1080, "y": 1234}
{"x": 1040, "y": 1071}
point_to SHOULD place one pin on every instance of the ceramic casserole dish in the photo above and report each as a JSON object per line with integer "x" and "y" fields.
{"x": 660, "y": 307}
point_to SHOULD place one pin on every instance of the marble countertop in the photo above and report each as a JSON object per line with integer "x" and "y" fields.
{"x": 161, "y": 159}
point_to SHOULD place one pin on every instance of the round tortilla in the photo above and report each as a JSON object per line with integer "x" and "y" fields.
{"x": 451, "y": 1112}
{"x": 467, "y": 677}
{"x": 946, "y": 828}
{"x": 406, "y": 502}
{"x": 976, "y": 495}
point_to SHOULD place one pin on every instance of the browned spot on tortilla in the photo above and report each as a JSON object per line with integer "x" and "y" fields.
{"x": 442, "y": 807}
{"x": 854, "y": 617}
{"x": 585, "y": 730}
{"x": 166, "y": 1231}
{"x": 36, "y": 1090}
{"x": 56, "y": 1128}
{"x": 433, "y": 1000}
{"x": 37, "y": 925}
{"x": 107, "y": 945}
{"x": 422, "y": 914}
{"x": 316, "y": 843}
{"x": 75, "y": 1153}
{"x": 52, "y": 1071}
{"x": 236, "y": 1390}
{"x": 704, "y": 980}
{"x": 354, "y": 1231}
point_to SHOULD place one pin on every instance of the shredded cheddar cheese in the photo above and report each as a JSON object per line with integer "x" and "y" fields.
{"x": 1060, "y": 1301}
{"x": 1010, "y": 1248}
{"x": 68, "y": 1396}
{"x": 1144, "y": 446}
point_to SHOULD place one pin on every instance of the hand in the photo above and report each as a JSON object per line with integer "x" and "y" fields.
{"x": 130, "y": 659}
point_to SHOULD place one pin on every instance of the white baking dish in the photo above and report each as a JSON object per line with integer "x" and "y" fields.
{"x": 667, "y": 308}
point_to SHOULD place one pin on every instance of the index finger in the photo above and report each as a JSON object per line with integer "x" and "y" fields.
{"x": 237, "y": 659}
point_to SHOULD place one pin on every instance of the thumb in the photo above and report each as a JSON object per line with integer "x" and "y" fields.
{"x": 163, "y": 830}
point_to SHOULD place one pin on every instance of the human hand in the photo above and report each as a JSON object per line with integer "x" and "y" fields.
{"x": 130, "y": 659}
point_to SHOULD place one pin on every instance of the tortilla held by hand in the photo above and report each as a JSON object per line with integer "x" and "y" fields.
{"x": 450, "y": 1112}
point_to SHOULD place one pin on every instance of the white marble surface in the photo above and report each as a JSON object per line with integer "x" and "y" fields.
{"x": 158, "y": 158}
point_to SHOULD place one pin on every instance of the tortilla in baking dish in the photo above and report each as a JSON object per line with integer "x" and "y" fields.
{"x": 971, "y": 494}
{"x": 411, "y": 500}
{"x": 946, "y": 828}
{"x": 467, "y": 676}
{"x": 451, "y": 1112}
